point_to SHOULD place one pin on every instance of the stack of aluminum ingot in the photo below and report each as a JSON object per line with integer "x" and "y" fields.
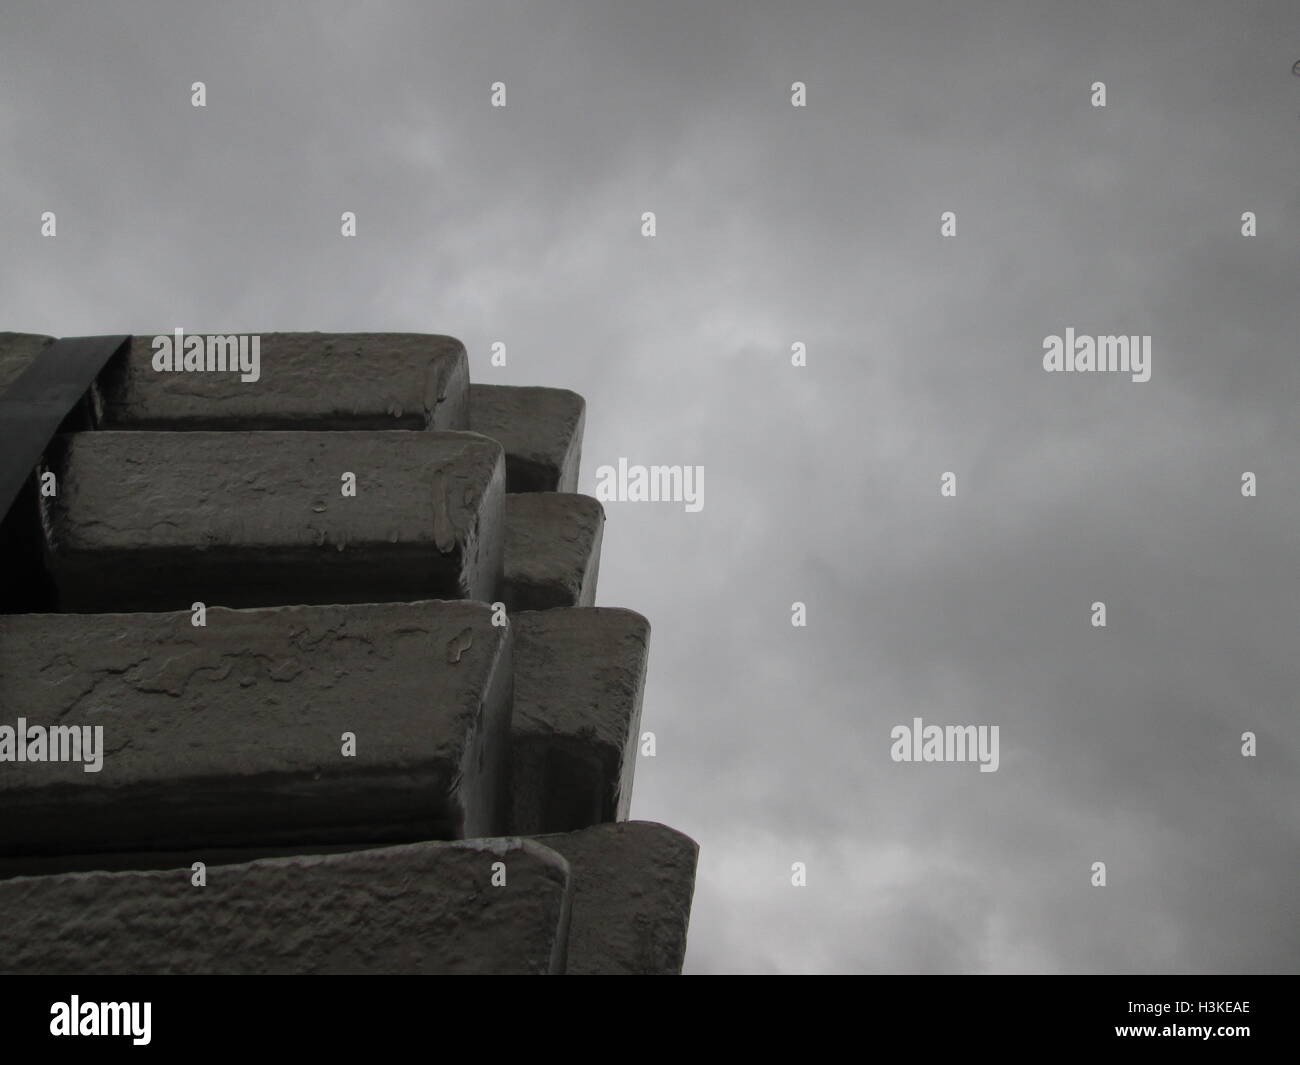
{"x": 302, "y": 674}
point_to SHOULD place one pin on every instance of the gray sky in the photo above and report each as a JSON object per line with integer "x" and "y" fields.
{"x": 819, "y": 225}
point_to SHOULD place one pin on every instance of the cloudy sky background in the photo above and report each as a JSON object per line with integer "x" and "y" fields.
{"x": 819, "y": 225}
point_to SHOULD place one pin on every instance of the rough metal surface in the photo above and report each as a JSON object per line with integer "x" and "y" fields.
{"x": 156, "y": 521}
{"x": 541, "y": 430}
{"x": 49, "y": 397}
{"x": 632, "y": 889}
{"x": 17, "y": 352}
{"x": 420, "y": 908}
{"x": 579, "y": 677}
{"x": 12, "y": 865}
{"x": 22, "y": 585}
{"x": 552, "y": 550}
{"x": 25, "y": 426}
{"x": 307, "y": 381}
{"x": 232, "y": 734}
